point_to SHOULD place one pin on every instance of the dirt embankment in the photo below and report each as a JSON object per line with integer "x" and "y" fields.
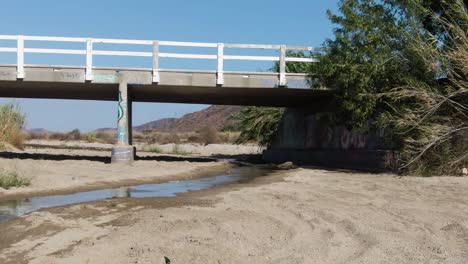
{"x": 300, "y": 216}
{"x": 188, "y": 149}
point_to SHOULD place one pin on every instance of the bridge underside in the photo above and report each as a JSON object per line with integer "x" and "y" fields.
{"x": 199, "y": 87}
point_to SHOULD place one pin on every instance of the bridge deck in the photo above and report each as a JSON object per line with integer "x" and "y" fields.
{"x": 177, "y": 86}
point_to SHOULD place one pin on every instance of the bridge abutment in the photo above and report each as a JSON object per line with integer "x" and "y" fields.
{"x": 304, "y": 139}
{"x": 123, "y": 151}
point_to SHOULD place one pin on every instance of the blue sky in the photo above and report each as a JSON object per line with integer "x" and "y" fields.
{"x": 294, "y": 22}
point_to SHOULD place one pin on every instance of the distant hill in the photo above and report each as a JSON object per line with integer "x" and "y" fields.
{"x": 104, "y": 130}
{"x": 217, "y": 116}
{"x": 154, "y": 125}
{"x": 37, "y": 131}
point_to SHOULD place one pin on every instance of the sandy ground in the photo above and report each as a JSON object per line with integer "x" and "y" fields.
{"x": 66, "y": 171}
{"x": 297, "y": 216}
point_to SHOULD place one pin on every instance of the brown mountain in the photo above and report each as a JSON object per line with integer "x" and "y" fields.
{"x": 218, "y": 116}
{"x": 154, "y": 125}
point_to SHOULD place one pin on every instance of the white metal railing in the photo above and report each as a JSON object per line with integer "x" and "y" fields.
{"x": 21, "y": 50}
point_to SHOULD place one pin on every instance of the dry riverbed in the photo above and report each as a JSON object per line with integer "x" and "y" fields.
{"x": 61, "y": 171}
{"x": 295, "y": 216}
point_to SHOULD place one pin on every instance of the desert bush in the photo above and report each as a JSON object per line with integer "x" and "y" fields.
{"x": 138, "y": 136}
{"x": 161, "y": 138}
{"x": 157, "y": 150}
{"x": 106, "y": 137}
{"x": 37, "y": 135}
{"x": 153, "y": 138}
{"x": 194, "y": 139}
{"x": 12, "y": 120}
{"x": 178, "y": 150}
{"x": 228, "y": 137}
{"x": 9, "y": 179}
{"x": 208, "y": 135}
{"x": 75, "y": 134}
{"x": 148, "y": 136}
{"x": 58, "y": 136}
{"x": 91, "y": 137}
{"x": 224, "y": 137}
{"x": 185, "y": 136}
{"x": 172, "y": 138}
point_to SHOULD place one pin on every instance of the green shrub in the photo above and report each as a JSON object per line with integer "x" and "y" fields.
{"x": 403, "y": 64}
{"x": 178, "y": 150}
{"x": 156, "y": 150}
{"x": 91, "y": 137}
{"x": 10, "y": 179}
{"x": 259, "y": 124}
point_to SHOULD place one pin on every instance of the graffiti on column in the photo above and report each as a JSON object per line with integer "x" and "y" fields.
{"x": 121, "y": 133}
{"x": 121, "y": 111}
{"x": 350, "y": 139}
{"x": 328, "y": 137}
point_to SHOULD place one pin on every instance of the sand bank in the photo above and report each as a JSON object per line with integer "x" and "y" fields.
{"x": 299, "y": 216}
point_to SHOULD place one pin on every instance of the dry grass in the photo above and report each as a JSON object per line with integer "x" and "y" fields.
{"x": 432, "y": 119}
{"x": 206, "y": 136}
{"x": 99, "y": 137}
{"x": 106, "y": 137}
{"x": 12, "y": 121}
{"x": 37, "y": 135}
{"x": 178, "y": 150}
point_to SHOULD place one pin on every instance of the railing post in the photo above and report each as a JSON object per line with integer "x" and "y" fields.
{"x": 219, "y": 73}
{"x": 89, "y": 60}
{"x": 282, "y": 67}
{"x": 20, "y": 58}
{"x": 156, "y": 77}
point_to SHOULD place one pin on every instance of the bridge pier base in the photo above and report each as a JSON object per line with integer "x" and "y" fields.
{"x": 123, "y": 151}
{"x": 304, "y": 139}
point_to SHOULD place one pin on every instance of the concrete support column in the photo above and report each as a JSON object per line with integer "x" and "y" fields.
{"x": 123, "y": 151}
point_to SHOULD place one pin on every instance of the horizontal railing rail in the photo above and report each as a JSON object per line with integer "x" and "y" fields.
{"x": 90, "y": 52}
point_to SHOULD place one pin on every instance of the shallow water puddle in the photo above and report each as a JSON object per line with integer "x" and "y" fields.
{"x": 16, "y": 208}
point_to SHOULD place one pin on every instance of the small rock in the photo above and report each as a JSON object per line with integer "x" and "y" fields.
{"x": 287, "y": 166}
{"x": 465, "y": 171}
{"x": 167, "y": 260}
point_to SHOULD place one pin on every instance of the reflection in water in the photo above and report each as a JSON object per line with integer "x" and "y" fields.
{"x": 15, "y": 208}
{"x": 123, "y": 192}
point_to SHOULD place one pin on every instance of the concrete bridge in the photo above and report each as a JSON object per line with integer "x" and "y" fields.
{"x": 127, "y": 85}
